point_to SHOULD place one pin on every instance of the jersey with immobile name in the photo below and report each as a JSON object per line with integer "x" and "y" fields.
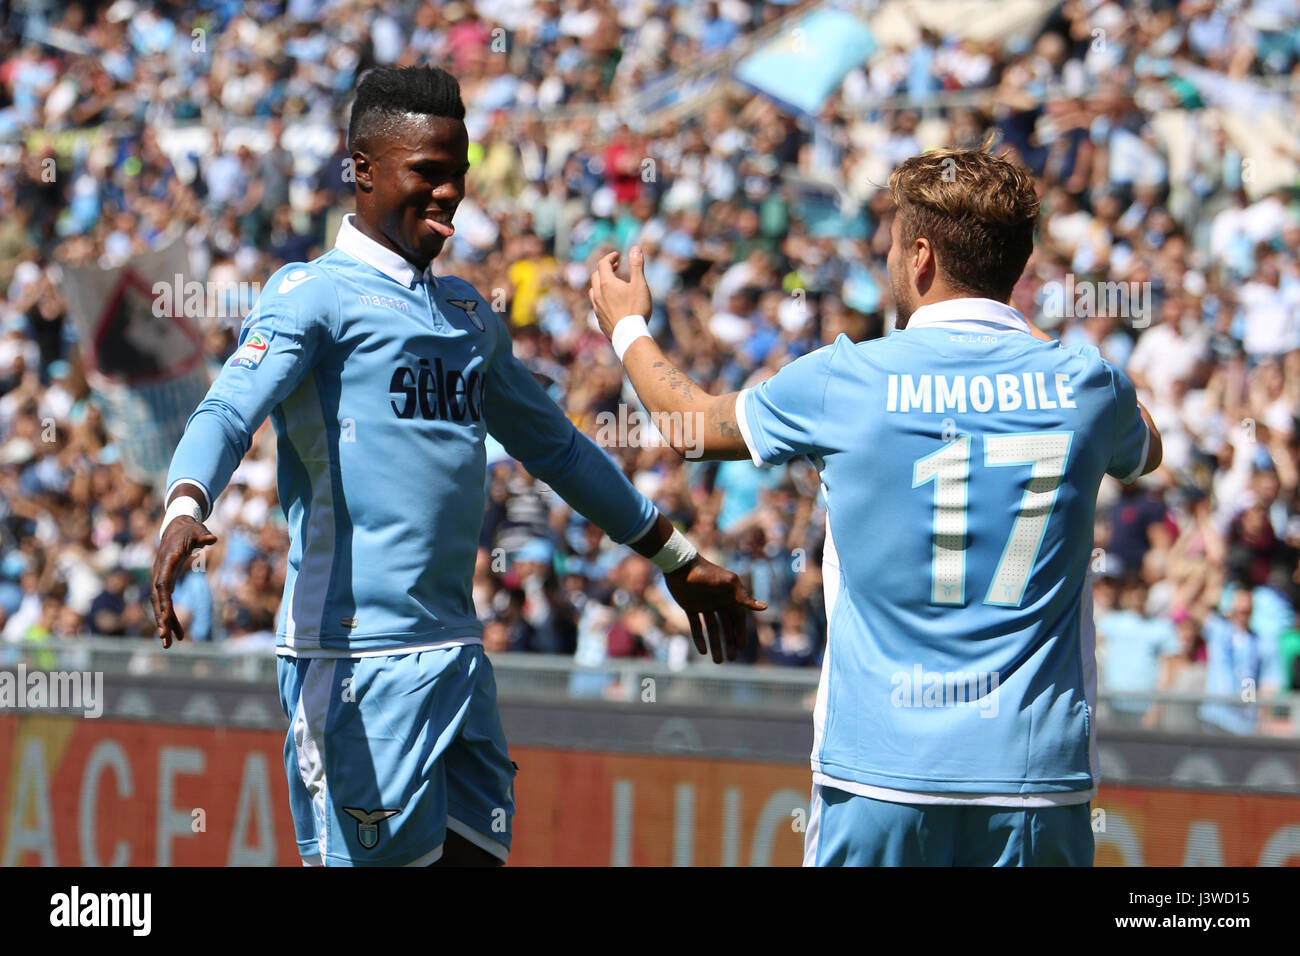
{"x": 1001, "y": 391}
{"x": 960, "y": 475}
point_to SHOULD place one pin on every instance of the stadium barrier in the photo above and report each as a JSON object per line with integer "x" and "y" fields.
{"x": 176, "y": 759}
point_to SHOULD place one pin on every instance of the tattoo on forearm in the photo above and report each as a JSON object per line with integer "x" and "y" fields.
{"x": 676, "y": 380}
{"x": 722, "y": 419}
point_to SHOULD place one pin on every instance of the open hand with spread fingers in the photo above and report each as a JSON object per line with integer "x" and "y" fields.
{"x": 715, "y": 601}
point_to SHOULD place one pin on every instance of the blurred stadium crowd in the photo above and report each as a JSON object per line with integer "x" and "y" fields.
{"x": 765, "y": 237}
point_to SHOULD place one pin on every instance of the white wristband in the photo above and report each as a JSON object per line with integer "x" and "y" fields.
{"x": 626, "y": 331}
{"x": 676, "y": 552}
{"x": 184, "y": 505}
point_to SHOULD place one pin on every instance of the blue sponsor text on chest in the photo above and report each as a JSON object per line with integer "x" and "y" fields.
{"x": 1005, "y": 392}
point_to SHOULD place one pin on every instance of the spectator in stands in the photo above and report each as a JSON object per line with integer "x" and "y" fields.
{"x": 765, "y": 233}
{"x": 1180, "y": 673}
{"x": 1139, "y": 524}
{"x": 193, "y": 600}
{"x": 109, "y": 610}
{"x": 1133, "y": 649}
{"x": 1241, "y": 664}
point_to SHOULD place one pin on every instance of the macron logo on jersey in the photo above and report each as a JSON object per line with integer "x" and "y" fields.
{"x": 294, "y": 279}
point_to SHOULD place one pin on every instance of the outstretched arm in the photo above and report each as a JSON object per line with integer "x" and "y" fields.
{"x": 696, "y": 423}
{"x": 278, "y": 346}
{"x": 535, "y": 432}
{"x": 713, "y": 598}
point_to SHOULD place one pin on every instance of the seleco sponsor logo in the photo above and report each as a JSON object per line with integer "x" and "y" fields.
{"x": 437, "y": 394}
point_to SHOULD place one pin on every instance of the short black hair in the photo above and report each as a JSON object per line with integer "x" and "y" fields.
{"x": 388, "y": 93}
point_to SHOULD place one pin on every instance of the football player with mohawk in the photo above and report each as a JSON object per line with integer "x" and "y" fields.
{"x": 382, "y": 382}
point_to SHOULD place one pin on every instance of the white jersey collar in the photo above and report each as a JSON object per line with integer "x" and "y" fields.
{"x": 969, "y": 315}
{"x": 359, "y": 246}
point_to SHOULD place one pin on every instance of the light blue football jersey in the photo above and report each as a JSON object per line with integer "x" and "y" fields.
{"x": 960, "y": 461}
{"x": 382, "y": 384}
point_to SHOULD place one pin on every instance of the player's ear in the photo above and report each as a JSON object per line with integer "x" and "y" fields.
{"x": 363, "y": 171}
{"x": 924, "y": 266}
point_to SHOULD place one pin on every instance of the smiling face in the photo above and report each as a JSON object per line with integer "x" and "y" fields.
{"x": 409, "y": 183}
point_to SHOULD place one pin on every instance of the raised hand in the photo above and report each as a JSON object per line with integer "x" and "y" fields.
{"x": 612, "y": 297}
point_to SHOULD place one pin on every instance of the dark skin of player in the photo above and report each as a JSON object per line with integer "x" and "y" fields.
{"x": 409, "y": 184}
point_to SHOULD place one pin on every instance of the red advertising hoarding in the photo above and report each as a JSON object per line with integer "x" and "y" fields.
{"x": 76, "y": 792}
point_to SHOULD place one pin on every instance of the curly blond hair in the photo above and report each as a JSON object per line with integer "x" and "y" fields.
{"x": 978, "y": 210}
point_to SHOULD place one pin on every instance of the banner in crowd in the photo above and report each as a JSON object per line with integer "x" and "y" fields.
{"x": 81, "y": 792}
{"x": 142, "y": 353}
{"x": 802, "y": 66}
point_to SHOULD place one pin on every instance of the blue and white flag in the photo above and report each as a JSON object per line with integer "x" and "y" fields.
{"x": 804, "y": 65}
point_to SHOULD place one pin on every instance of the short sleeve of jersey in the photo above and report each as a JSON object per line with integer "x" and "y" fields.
{"x": 783, "y": 416}
{"x": 1132, "y": 437}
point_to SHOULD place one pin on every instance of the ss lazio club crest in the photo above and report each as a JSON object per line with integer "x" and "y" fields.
{"x": 469, "y": 307}
{"x": 368, "y": 824}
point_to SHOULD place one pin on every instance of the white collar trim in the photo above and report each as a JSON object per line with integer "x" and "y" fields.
{"x": 970, "y": 315}
{"x": 355, "y": 243}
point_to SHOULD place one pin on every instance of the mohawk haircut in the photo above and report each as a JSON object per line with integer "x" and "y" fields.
{"x": 978, "y": 211}
{"x": 387, "y": 95}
